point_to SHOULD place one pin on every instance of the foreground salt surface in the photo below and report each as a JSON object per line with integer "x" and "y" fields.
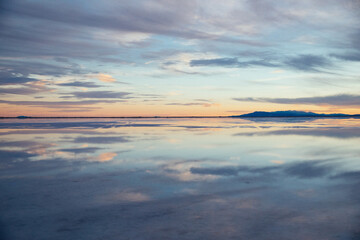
{"x": 180, "y": 179}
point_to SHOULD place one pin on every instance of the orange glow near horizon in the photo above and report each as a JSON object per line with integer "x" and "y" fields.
{"x": 118, "y": 110}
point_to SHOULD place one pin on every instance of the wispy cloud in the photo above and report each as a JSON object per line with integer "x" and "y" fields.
{"x": 20, "y": 91}
{"x": 308, "y": 62}
{"x": 335, "y": 100}
{"x": 301, "y": 169}
{"x": 310, "y": 169}
{"x": 59, "y": 104}
{"x": 82, "y": 84}
{"x": 22, "y": 67}
{"x": 101, "y": 140}
{"x": 80, "y": 150}
{"x": 348, "y": 56}
{"x": 303, "y": 62}
{"x": 9, "y": 78}
{"x": 203, "y": 104}
{"x": 105, "y": 77}
{"x": 27, "y": 88}
{"x": 339, "y": 133}
{"x": 101, "y": 94}
{"x": 231, "y": 62}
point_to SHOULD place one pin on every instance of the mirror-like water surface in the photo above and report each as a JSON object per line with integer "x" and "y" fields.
{"x": 180, "y": 179}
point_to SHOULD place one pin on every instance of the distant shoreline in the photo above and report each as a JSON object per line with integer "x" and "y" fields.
{"x": 123, "y": 117}
{"x": 154, "y": 117}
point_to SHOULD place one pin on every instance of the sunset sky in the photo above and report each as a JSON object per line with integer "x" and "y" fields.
{"x": 178, "y": 58}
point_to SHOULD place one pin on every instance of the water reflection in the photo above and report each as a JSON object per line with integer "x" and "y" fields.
{"x": 335, "y": 132}
{"x": 180, "y": 179}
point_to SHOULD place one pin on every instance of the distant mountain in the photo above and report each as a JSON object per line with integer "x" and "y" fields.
{"x": 22, "y": 117}
{"x": 292, "y": 114}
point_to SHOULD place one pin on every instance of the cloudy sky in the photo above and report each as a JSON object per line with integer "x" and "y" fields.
{"x": 188, "y": 57}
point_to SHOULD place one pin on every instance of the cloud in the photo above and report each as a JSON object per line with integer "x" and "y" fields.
{"x": 322, "y": 132}
{"x": 101, "y": 140}
{"x": 334, "y": 100}
{"x": 12, "y": 156}
{"x": 20, "y": 91}
{"x": 303, "y": 62}
{"x": 105, "y": 77}
{"x": 19, "y": 72}
{"x": 34, "y": 30}
{"x": 101, "y": 94}
{"x": 311, "y": 169}
{"x": 71, "y": 126}
{"x": 13, "y": 68}
{"x": 22, "y": 144}
{"x": 341, "y": 133}
{"x": 230, "y": 171}
{"x": 351, "y": 175}
{"x": 79, "y": 84}
{"x": 308, "y": 62}
{"x": 215, "y": 61}
{"x": 303, "y": 169}
{"x": 77, "y": 109}
{"x": 168, "y": 18}
{"x": 141, "y": 17}
{"x": 58, "y": 104}
{"x": 42, "y": 30}
{"x": 126, "y": 196}
{"x": 80, "y": 150}
{"x": 231, "y": 62}
{"x": 353, "y": 56}
{"x": 10, "y": 78}
{"x": 223, "y": 171}
{"x": 204, "y": 104}
{"x": 105, "y": 157}
{"x": 32, "y": 87}
{"x": 197, "y": 102}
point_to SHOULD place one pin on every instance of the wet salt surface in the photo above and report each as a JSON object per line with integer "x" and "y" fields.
{"x": 180, "y": 179}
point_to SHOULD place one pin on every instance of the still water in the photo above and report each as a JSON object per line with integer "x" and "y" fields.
{"x": 180, "y": 179}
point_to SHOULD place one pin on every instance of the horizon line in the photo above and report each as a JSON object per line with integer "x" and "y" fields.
{"x": 287, "y": 114}
{"x": 231, "y": 116}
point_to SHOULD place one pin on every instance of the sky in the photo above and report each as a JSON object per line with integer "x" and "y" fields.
{"x": 178, "y": 58}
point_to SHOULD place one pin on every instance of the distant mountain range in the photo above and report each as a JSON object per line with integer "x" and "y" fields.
{"x": 292, "y": 114}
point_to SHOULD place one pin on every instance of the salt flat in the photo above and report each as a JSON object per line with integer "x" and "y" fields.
{"x": 180, "y": 179}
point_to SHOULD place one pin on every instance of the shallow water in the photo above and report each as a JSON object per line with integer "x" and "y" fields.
{"x": 180, "y": 179}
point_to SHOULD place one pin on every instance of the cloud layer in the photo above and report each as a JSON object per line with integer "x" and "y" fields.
{"x": 130, "y": 49}
{"x": 335, "y": 100}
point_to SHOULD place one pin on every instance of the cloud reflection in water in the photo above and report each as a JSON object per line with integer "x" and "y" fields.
{"x": 247, "y": 180}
